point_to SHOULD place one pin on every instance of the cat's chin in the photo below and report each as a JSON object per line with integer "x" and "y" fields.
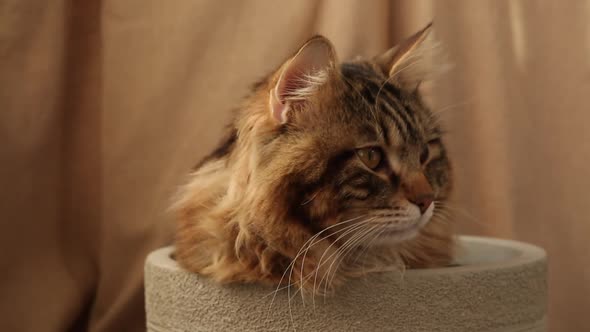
{"x": 397, "y": 234}
{"x": 393, "y": 236}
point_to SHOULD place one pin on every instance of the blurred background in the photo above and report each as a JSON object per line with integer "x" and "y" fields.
{"x": 106, "y": 105}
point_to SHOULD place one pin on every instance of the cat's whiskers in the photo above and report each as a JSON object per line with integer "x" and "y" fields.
{"x": 305, "y": 247}
{"x": 347, "y": 230}
{"x": 305, "y": 278}
{"x": 302, "y": 281}
{"x": 356, "y": 235}
{"x": 309, "y": 243}
{"x": 376, "y": 232}
{"x": 366, "y": 250}
{"x": 369, "y": 243}
{"x": 446, "y": 207}
{"x": 310, "y": 199}
{"x": 345, "y": 249}
{"x": 300, "y": 252}
{"x": 319, "y": 264}
{"x": 372, "y": 232}
{"x": 443, "y": 216}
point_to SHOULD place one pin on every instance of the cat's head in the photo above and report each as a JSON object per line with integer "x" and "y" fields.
{"x": 350, "y": 145}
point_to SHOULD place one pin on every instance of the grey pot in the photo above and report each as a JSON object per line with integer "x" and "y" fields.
{"x": 500, "y": 286}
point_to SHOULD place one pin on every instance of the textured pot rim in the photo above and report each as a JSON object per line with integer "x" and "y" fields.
{"x": 499, "y": 286}
{"x": 522, "y": 253}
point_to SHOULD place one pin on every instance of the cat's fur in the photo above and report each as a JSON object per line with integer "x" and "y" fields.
{"x": 286, "y": 200}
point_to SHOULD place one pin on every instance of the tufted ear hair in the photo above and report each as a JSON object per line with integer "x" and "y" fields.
{"x": 409, "y": 62}
{"x": 301, "y": 76}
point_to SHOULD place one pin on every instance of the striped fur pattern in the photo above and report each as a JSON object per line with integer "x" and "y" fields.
{"x": 292, "y": 203}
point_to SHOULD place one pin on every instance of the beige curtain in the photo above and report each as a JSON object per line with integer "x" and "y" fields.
{"x": 105, "y": 105}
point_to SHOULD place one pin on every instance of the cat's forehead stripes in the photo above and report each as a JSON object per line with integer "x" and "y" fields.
{"x": 395, "y": 114}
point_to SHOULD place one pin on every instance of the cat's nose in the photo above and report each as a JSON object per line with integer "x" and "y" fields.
{"x": 418, "y": 190}
{"x": 423, "y": 201}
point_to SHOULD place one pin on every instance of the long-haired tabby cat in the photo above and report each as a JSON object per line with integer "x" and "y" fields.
{"x": 330, "y": 170}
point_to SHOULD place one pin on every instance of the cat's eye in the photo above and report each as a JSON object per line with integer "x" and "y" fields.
{"x": 430, "y": 151}
{"x": 371, "y": 157}
{"x": 425, "y": 154}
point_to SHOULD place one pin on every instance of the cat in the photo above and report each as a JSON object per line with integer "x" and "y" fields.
{"x": 329, "y": 171}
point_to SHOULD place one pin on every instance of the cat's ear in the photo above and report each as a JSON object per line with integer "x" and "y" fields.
{"x": 409, "y": 62}
{"x": 301, "y": 76}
